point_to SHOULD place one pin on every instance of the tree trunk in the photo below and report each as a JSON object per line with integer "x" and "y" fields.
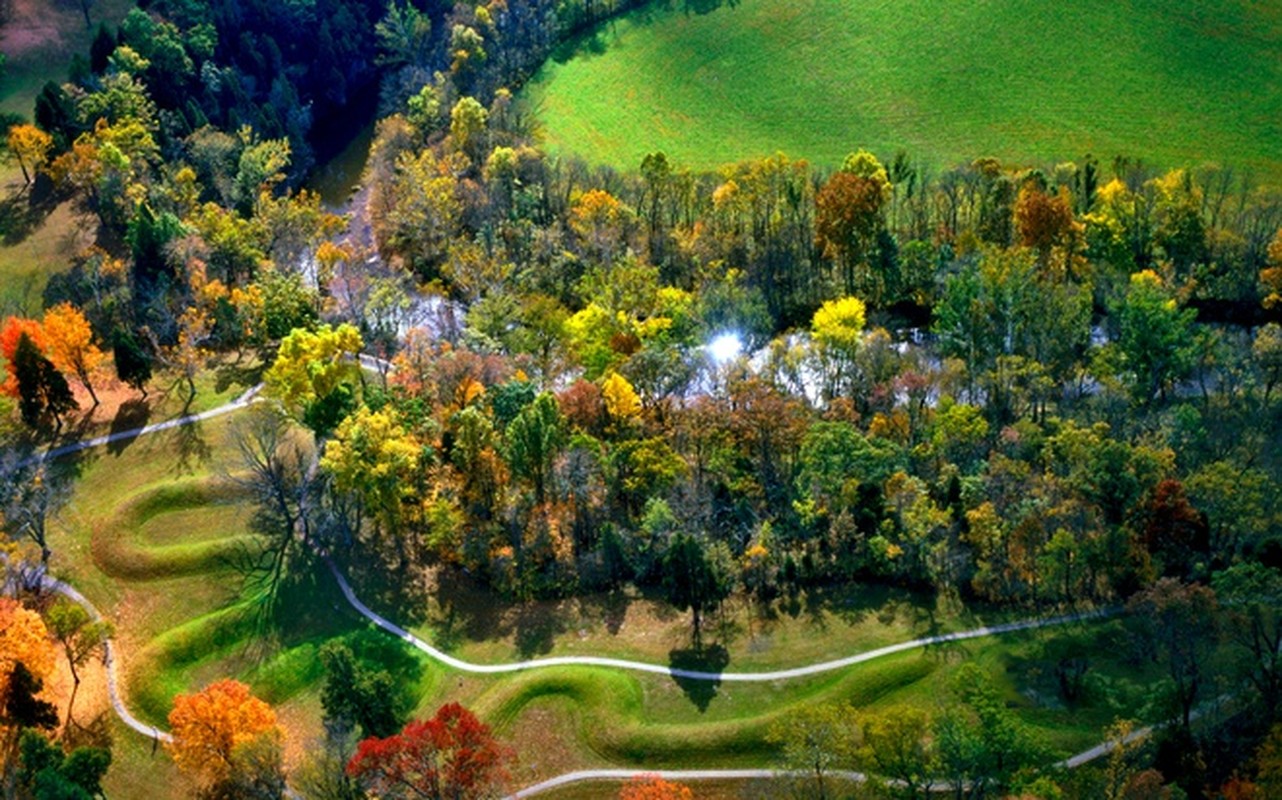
{"x": 71, "y": 703}
{"x": 84, "y": 379}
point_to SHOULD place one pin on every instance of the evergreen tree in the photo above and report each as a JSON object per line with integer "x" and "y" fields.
{"x": 133, "y": 363}
{"x": 42, "y": 391}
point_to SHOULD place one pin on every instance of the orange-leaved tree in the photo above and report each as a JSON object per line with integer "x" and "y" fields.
{"x": 10, "y": 335}
{"x": 69, "y": 341}
{"x": 225, "y": 737}
{"x": 452, "y": 755}
{"x": 652, "y": 787}
{"x": 23, "y": 640}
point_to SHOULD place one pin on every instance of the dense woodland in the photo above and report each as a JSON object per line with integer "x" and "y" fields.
{"x": 1041, "y": 388}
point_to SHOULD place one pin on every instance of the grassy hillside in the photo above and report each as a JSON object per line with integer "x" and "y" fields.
{"x": 1022, "y": 80}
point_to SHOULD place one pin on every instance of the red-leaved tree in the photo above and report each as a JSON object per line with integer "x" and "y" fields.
{"x": 452, "y": 756}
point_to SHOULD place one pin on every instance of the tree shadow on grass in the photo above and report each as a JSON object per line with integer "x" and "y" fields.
{"x": 191, "y": 447}
{"x": 132, "y": 415}
{"x": 464, "y": 611}
{"x": 704, "y": 659}
{"x": 22, "y": 212}
{"x": 610, "y": 607}
{"x": 536, "y": 629}
{"x": 237, "y": 374}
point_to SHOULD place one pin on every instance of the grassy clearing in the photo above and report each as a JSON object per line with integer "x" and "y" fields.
{"x": 182, "y": 623}
{"x": 1020, "y": 80}
{"x": 39, "y": 40}
{"x": 607, "y": 718}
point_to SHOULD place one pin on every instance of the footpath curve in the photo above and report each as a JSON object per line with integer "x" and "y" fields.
{"x": 122, "y": 712}
{"x": 75, "y": 447}
{"x": 698, "y": 675}
{"x": 109, "y": 661}
{"x": 597, "y": 775}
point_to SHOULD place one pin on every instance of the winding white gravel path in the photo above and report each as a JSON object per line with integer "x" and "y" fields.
{"x": 690, "y": 775}
{"x": 240, "y": 402}
{"x": 660, "y": 669}
{"x": 109, "y": 660}
{"x": 150, "y": 731}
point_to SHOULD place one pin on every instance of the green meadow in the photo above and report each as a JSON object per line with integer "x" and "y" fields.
{"x": 1025, "y": 81}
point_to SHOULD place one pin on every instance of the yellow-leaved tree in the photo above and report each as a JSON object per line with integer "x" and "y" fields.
{"x": 316, "y": 373}
{"x": 30, "y": 146}
{"x": 621, "y": 400}
{"x": 373, "y": 458}
{"x": 70, "y": 344}
{"x": 838, "y": 331}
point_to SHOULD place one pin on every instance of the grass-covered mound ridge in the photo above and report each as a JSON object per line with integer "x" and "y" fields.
{"x": 1020, "y": 80}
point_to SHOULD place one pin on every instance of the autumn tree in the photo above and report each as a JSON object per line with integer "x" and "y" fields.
{"x": 11, "y": 334}
{"x": 316, "y": 374}
{"x": 81, "y": 637}
{"x": 26, "y": 659}
{"x": 31, "y": 147}
{"x": 621, "y": 400}
{"x": 838, "y": 329}
{"x": 225, "y": 740}
{"x": 602, "y": 223}
{"x": 652, "y": 787}
{"x": 452, "y": 756}
{"x": 848, "y": 219}
{"x": 24, "y": 639}
{"x": 372, "y": 458}
{"x": 70, "y": 345}
{"x": 1043, "y": 220}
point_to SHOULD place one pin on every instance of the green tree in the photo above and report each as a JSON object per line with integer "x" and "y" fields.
{"x": 897, "y": 747}
{"x": 1251, "y": 603}
{"x": 1179, "y": 623}
{"x": 815, "y": 740}
{"x": 133, "y": 363}
{"x": 47, "y": 773}
{"x": 693, "y": 580}
{"x": 358, "y": 694}
{"x": 1156, "y": 338}
{"x": 534, "y": 438}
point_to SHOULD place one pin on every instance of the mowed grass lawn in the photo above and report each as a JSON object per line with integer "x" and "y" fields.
{"x": 1025, "y": 81}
